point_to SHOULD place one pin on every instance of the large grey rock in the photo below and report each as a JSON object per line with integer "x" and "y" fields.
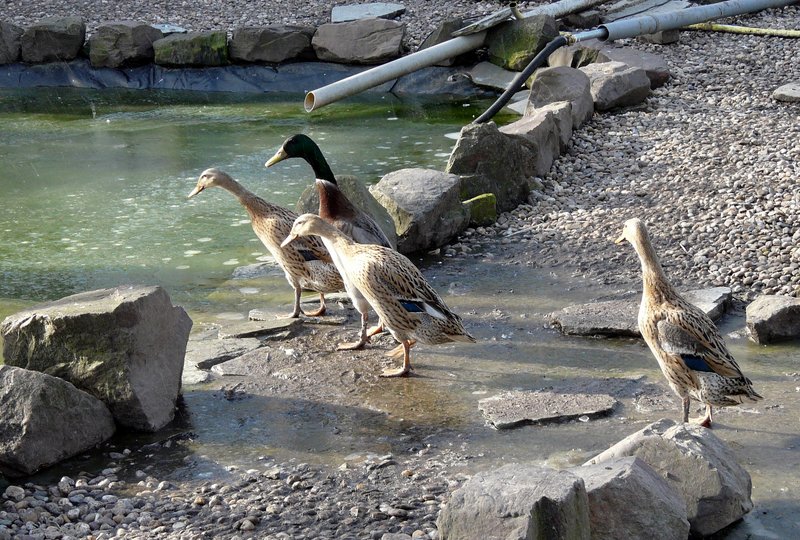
{"x": 547, "y": 130}
{"x": 358, "y": 194}
{"x": 614, "y": 84}
{"x": 122, "y": 43}
{"x": 619, "y": 317}
{"x": 517, "y": 502}
{"x": 515, "y": 408}
{"x": 44, "y": 419}
{"x": 10, "y": 39}
{"x": 440, "y": 82}
{"x": 773, "y": 318}
{"x": 124, "y": 346}
{"x": 367, "y": 41}
{"x": 654, "y": 66}
{"x": 490, "y": 161}
{"x": 562, "y": 83}
{"x": 355, "y": 12}
{"x": 192, "y": 49}
{"x": 698, "y": 465}
{"x": 513, "y": 44}
{"x": 273, "y": 44}
{"x": 628, "y": 499}
{"x": 488, "y": 74}
{"x": 53, "y": 39}
{"x": 788, "y": 92}
{"x": 425, "y": 205}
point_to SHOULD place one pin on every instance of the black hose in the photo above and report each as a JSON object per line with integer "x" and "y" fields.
{"x": 520, "y": 79}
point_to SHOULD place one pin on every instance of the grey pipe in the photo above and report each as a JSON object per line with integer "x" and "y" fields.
{"x": 370, "y": 78}
{"x": 649, "y": 24}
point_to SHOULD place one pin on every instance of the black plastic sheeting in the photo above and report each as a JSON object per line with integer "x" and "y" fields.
{"x": 289, "y": 78}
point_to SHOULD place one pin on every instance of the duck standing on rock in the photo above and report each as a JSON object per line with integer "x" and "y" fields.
{"x": 398, "y": 292}
{"x": 336, "y": 209}
{"x": 307, "y": 264}
{"x": 686, "y": 343}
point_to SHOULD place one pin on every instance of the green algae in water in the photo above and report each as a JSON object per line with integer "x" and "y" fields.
{"x": 95, "y": 182}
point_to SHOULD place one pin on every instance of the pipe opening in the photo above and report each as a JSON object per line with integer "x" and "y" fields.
{"x": 308, "y": 102}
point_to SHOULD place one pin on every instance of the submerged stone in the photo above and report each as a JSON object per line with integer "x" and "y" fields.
{"x": 515, "y": 408}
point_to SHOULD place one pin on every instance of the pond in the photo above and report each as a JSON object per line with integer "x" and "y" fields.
{"x": 94, "y": 189}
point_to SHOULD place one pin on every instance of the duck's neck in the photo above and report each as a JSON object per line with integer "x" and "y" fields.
{"x": 247, "y": 198}
{"x": 654, "y": 280}
{"x": 332, "y": 202}
{"x": 321, "y": 168}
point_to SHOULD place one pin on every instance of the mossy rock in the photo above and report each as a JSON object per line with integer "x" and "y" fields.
{"x": 192, "y": 49}
{"x": 512, "y": 45}
{"x": 482, "y": 210}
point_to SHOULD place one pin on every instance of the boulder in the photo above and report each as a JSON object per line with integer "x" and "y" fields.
{"x": 562, "y": 83}
{"x": 654, "y": 66}
{"x": 492, "y": 76}
{"x": 482, "y": 210}
{"x": 123, "y": 43}
{"x": 439, "y": 82}
{"x": 355, "y": 12}
{"x": 517, "y": 501}
{"x": 614, "y": 84}
{"x": 273, "y": 44}
{"x": 442, "y": 33}
{"x": 628, "y": 499}
{"x": 490, "y": 161}
{"x": 547, "y": 130}
{"x": 663, "y": 37}
{"x": 788, "y": 92}
{"x": 125, "y": 346}
{"x": 513, "y": 44}
{"x": 367, "y": 41}
{"x": 192, "y": 49}
{"x": 44, "y": 419}
{"x": 618, "y": 318}
{"x": 773, "y": 318}
{"x": 358, "y": 194}
{"x": 425, "y": 205}
{"x": 698, "y": 465}
{"x": 53, "y": 39}
{"x": 10, "y": 39}
{"x": 520, "y": 407}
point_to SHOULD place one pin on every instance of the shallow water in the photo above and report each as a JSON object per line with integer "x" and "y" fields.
{"x": 94, "y": 194}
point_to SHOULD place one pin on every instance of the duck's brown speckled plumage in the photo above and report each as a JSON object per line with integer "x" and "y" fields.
{"x": 306, "y": 264}
{"x": 398, "y": 292}
{"x": 687, "y": 345}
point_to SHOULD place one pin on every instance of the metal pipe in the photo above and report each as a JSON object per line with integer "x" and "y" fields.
{"x": 365, "y": 80}
{"x": 650, "y": 24}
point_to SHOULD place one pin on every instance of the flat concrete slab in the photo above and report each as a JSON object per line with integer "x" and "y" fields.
{"x": 254, "y": 363}
{"x": 512, "y": 409}
{"x": 492, "y": 76}
{"x": 355, "y": 12}
{"x": 250, "y": 329}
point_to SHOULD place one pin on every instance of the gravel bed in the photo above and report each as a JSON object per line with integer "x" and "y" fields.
{"x": 710, "y": 161}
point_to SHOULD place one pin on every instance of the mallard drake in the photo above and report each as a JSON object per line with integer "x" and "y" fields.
{"x": 687, "y": 345}
{"x": 406, "y": 304}
{"x": 336, "y": 209}
{"x": 307, "y": 264}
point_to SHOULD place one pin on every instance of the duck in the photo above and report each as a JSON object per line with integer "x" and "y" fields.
{"x": 336, "y": 209}
{"x": 409, "y": 308}
{"x": 686, "y": 343}
{"x": 306, "y": 264}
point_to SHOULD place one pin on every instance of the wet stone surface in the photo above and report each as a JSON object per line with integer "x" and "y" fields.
{"x": 512, "y": 409}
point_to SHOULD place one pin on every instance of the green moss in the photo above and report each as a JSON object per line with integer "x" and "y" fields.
{"x": 192, "y": 49}
{"x": 482, "y": 210}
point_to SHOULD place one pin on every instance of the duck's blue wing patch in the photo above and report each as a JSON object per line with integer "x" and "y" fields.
{"x": 696, "y": 363}
{"x": 412, "y": 307}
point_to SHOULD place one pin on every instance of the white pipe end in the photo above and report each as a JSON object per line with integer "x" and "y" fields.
{"x": 309, "y": 102}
